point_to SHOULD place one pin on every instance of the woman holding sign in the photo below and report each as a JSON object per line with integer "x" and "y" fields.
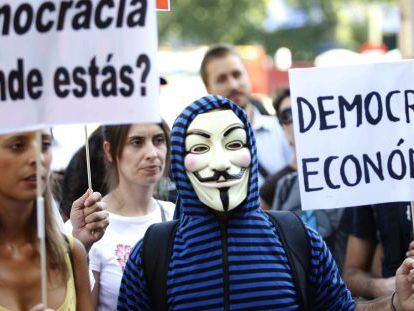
{"x": 137, "y": 157}
{"x": 20, "y": 281}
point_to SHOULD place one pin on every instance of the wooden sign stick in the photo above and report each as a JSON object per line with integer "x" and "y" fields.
{"x": 40, "y": 210}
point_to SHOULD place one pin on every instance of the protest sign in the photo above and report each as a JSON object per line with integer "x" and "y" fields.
{"x": 163, "y": 5}
{"x": 77, "y": 62}
{"x": 354, "y": 134}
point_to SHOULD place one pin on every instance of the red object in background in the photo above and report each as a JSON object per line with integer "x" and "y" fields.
{"x": 163, "y": 5}
{"x": 265, "y": 78}
{"x": 368, "y": 47}
{"x": 255, "y": 59}
{"x": 279, "y": 80}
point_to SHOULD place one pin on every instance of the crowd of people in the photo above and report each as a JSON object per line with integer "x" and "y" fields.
{"x": 235, "y": 174}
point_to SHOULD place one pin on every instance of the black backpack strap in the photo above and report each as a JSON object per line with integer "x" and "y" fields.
{"x": 297, "y": 245}
{"x": 262, "y": 170}
{"x": 282, "y": 190}
{"x": 156, "y": 255}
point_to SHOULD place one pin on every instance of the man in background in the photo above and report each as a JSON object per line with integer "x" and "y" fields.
{"x": 224, "y": 73}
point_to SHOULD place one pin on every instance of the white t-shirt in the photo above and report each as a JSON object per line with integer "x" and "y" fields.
{"x": 109, "y": 255}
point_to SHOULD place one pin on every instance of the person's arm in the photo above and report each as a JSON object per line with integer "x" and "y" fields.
{"x": 89, "y": 218}
{"x": 403, "y": 299}
{"x": 326, "y": 290}
{"x": 379, "y": 304}
{"x": 133, "y": 292}
{"x": 357, "y": 276}
{"x": 81, "y": 275}
{"x": 95, "y": 290}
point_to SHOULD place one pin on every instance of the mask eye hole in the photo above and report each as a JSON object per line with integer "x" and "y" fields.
{"x": 234, "y": 145}
{"x": 199, "y": 149}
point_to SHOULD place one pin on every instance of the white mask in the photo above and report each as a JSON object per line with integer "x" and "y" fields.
{"x": 217, "y": 159}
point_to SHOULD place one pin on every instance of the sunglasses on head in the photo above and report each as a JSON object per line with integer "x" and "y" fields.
{"x": 285, "y": 117}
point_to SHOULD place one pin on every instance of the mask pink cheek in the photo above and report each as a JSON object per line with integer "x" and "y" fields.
{"x": 247, "y": 159}
{"x": 243, "y": 159}
{"x": 190, "y": 163}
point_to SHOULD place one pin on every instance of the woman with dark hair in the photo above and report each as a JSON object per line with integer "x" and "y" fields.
{"x": 20, "y": 281}
{"x": 137, "y": 157}
{"x": 75, "y": 179}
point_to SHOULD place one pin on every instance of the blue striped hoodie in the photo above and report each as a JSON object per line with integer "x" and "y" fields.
{"x": 236, "y": 264}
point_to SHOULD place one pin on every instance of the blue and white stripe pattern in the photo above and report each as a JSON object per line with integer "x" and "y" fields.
{"x": 239, "y": 264}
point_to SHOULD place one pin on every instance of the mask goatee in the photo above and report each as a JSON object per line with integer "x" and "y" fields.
{"x": 224, "y": 196}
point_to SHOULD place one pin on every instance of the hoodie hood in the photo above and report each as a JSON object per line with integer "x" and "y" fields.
{"x": 188, "y": 203}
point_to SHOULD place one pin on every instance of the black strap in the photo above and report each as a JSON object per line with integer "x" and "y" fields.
{"x": 262, "y": 170}
{"x": 259, "y": 105}
{"x": 410, "y": 211}
{"x": 157, "y": 248}
{"x": 282, "y": 190}
{"x": 296, "y": 243}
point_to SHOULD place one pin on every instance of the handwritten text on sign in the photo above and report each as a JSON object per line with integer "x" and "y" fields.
{"x": 354, "y": 134}
{"x": 77, "y": 62}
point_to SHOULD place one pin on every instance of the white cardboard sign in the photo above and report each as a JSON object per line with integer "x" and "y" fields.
{"x": 77, "y": 62}
{"x": 354, "y": 134}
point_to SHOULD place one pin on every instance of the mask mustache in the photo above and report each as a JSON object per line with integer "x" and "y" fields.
{"x": 217, "y": 174}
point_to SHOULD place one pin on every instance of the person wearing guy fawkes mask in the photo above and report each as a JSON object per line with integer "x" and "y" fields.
{"x": 226, "y": 253}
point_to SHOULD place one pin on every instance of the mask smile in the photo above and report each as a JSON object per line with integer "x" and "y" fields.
{"x": 220, "y": 179}
{"x": 218, "y": 174}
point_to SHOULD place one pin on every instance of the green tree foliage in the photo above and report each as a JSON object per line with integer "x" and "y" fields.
{"x": 240, "y": 22}
{"x": 325, "y": 26}
{"x": 212, "y": 21}
{"x": 304, "y": 42}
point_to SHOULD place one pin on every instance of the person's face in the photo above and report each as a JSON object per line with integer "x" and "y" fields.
{"x": 18, "y": 164}
{"x": 142, "y": 160}
{"x": 228, "y": 77}
{"x": 285, "y": 118}
{"x": 217, "y": 159}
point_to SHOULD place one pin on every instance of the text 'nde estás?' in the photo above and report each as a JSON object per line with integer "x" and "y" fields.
{"x": 98, "y": 80}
